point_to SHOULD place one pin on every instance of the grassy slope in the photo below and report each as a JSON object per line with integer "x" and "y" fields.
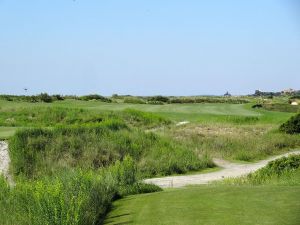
{"x": 211, "y": 205}
{"x": 217, "y": 112}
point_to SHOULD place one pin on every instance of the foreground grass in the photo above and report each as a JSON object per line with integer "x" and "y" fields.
{"x": 220, "y": 205}
{"x": 267, "y": 196}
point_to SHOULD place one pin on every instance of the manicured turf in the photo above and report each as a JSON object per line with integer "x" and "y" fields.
{"x": 201, "y": 112}
{"x": 211, "y": 205}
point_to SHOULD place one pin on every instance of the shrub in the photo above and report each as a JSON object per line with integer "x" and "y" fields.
{"x": 134, "y": 100}
{"x": 94, "y": 97}
{"x": 45, "y": 97}
{"x": 292, "y": 126}
{"x": 158, "y": 98}
{"x": 275, "y": 169}
{"x": 58, "y": 97}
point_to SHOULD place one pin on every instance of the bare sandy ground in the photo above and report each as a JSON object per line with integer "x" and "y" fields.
{"x": 4, "y": 161}
{"x": 230, "y": 170}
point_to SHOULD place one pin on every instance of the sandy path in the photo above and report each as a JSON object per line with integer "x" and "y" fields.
{"x": 230, "y": 170}
{"x": 4, "y": 161}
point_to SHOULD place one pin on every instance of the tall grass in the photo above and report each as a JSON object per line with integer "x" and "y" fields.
{"x": 70, "y": 197}
{"x": 60, "y": 116}
{"x": 283, "y": 171}
{"x": 38, "y": 151}
{"x": 243, "y": 142}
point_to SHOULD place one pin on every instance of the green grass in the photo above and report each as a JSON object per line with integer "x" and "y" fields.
{"x": 176, "y": 111}
{"x": 267, "y": 196}
{"x": 6, "y": 132}
{"x": 210, "y": 205}
{"x": 36, "y": 152}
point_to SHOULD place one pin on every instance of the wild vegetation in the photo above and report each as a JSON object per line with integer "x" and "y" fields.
{"x": 292, "y": 126}
{"x": 36, "y": 152}
{"x": 72, "y": 158}
{"x": 70, "y": 196}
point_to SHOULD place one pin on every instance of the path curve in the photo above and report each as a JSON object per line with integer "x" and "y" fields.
{"x": 230, "y": 170}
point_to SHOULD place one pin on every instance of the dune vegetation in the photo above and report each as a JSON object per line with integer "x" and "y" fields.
{"x": 71, "y": 158}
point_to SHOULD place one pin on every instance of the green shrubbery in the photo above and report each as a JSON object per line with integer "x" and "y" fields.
{"x": 69, "y": 197}
{"x": 94, "y": 97}
{"x": 285, "y": 170}
{"x": 43, "y": 97}
{"x": 134, "y": 100}
{"x": 230, "y": 100}
{"x": 56, "y": 116}
{"x": 36, "y": 152}
{"x": 292, "y": 126}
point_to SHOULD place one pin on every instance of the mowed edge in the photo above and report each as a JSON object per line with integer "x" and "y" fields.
{"x": 208, "y": 205}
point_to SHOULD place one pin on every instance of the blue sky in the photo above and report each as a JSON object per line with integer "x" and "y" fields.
{"x": 149, "y": 47}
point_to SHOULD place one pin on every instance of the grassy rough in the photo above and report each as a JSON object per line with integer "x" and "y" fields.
{"x": 283, "y": 171}
{"x": 76, "y": 197}
{"x": 60, "y": 116}
{"x": 35, "y": 152}
{"x": 238, "y": 142}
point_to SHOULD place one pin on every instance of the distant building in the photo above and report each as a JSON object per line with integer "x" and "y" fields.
{"x": 288, "y": 91}
{"x": 227, "y": 94}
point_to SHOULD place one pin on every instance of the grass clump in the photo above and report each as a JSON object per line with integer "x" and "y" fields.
{"x": 243, "y": 142}
{"x": 94, "y": 97}
{"x": 283, "y": 171}
{"x": 134, "y": 100}
{"x": 292, "y": 126}
{"x": 39, "y": 151}
{"x": 77, "y": 196}
{"x": 60, "y": 116}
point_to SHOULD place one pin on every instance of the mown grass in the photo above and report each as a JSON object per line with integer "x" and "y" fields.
{"x": 268, "y": 196}
{"x": 206, "y": 205}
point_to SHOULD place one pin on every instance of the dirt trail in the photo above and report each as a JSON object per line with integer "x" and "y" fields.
{"x": 230, "y": 170}
{"x": 4, "y": 161}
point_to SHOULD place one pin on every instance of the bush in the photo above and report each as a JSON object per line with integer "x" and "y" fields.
{"x": 95, "y": 97}
{"x": 45, "y": 97}
{"x": 58, "y": 97}
{"x": 274, "y": 170}
{"x": 292, "y": 126}
{"x": 134, "y": 100}
{"x": 158, "y": 98}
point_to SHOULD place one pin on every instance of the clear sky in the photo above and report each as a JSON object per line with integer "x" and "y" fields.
{"x": 149, "y": 47}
